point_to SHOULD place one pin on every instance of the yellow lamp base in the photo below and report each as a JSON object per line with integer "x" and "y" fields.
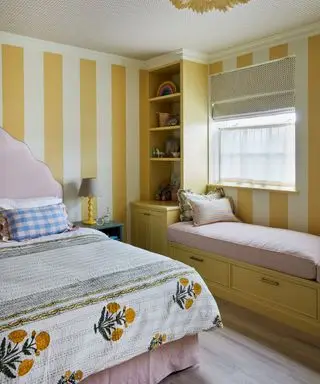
{"x": 91, "y": 220}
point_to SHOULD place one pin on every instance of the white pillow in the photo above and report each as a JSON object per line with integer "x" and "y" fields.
{"x": 213, "y": 211}
{"x": 35, "y": 202}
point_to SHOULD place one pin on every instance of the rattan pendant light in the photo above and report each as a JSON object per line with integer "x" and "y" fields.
{"x": 202, "y": 6}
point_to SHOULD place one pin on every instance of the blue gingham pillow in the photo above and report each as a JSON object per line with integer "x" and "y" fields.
{"x": 30, "y": 223}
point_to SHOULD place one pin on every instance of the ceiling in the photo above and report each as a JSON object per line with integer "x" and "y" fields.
{"x": 146, "y": 28}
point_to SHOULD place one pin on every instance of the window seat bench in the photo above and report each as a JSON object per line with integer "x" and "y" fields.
{"x": 273, "y": 271}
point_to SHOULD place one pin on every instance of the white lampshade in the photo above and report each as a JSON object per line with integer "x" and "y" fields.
{"x": 88, "y": 187}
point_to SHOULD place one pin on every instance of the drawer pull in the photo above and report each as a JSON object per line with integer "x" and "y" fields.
{"x": 147, "y": 214}
{"x": 196, "y": 259}
{"x": 270, "y": 282}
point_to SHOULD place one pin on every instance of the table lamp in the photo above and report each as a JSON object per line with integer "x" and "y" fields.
{"x": 88, "y": 189}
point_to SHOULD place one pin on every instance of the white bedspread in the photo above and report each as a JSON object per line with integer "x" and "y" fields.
{"x": 78, "y": 303}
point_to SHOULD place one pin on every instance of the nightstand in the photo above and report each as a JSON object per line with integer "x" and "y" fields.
{"x": 149, "y": 224}
{"x": 112, "y": 229}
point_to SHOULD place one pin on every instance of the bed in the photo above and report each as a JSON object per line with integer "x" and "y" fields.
{"x": 78, "y": 306}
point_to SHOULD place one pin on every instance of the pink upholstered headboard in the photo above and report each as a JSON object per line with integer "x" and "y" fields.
{"x": 21, "y": 175}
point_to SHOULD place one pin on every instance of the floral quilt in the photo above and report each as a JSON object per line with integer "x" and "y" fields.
{"x": 74, "y": 305}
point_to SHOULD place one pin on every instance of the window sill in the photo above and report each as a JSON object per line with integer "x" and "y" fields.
{"x": 258, "y": 187}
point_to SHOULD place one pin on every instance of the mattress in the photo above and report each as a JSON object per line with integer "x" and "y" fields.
{"x": 79, "y": 303}
{"x": 294, "y": 253}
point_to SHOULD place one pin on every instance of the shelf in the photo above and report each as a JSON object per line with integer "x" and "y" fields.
{"x": 164, "y": 158}
{"x": 169, "y": 128}
{"x": 168, "y": 98}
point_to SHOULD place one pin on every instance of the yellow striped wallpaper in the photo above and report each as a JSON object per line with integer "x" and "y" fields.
{"x": 53, "y": 119}
{"x": 314, "y": 133}
{"x": 76, "y": 122}
{"x": 244, "y": 60}
{"x": 119, "y": 140}
{"x": 88, "y": 124}
{"x": 88, "y": 118}
{"x": 144, "y": 135}
{"x": 301, "y": 210}
{"x": 13, "y": 90}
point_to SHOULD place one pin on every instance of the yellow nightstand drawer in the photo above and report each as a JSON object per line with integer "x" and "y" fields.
{"x": 298, "y": 298}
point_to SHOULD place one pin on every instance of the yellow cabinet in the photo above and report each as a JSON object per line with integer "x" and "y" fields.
{"x": 149, "y": 223}
{"x": 140, "y": 228}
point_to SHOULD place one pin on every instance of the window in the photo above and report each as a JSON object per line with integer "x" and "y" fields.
{"x": 258, "y": 150}
{"x": 253, "y": 126}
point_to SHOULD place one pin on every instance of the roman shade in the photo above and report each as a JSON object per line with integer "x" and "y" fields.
{"x": 254, "y": 90}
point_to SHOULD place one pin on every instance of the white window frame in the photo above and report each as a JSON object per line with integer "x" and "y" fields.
{"x": 215, "y": 152}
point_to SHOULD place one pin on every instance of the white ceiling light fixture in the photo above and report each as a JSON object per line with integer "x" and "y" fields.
{"x": 202, "y": 6}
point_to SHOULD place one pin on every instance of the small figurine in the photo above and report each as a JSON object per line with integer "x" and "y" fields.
{"x": 172, "y": 146}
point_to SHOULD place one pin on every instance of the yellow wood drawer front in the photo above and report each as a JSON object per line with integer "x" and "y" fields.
{"x": 209, "y": 268}
{"x": 293, "y": 296}
{"x": 180, "y": 255}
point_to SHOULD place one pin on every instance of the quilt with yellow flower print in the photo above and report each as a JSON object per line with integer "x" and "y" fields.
{"x": 75, "y": 304}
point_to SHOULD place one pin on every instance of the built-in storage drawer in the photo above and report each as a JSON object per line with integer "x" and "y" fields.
{"x": 298, "y": 298}
{"x": 209, "y": 268}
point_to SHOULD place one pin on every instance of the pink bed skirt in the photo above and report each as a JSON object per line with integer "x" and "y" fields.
{"x": 152, "y": 367}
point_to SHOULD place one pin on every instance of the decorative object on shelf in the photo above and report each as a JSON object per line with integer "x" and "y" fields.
{"x": 157, "y": 153}
{"x": 174, "y": 192}
{"x": 173, "y": 120}
{"x": 172, "y": 146}
{"x": 167, "y": 88}
{"x": 104, "y": 219}
{"x": 175, "y": 179}
{"x": 100, "y": 221}
{"x": 107, "y": 216}
{"x": 88, "y": 189}
{"x": 168, "y": 190}
{"x": 164, "y": 192}
{"x": 175, "y": 185}
{"x": 202, "y": 6}
{"x": 167, "y": 119}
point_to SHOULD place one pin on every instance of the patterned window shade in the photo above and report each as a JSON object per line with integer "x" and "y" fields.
{"x": 254, "y": 90}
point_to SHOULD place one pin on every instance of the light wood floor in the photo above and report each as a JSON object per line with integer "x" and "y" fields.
{"x": 253, "y": 350}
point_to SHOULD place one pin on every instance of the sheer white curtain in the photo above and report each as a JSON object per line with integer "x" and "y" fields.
{"x": 258, "y": 151}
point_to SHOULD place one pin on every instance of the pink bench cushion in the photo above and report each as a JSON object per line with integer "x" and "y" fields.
{"x": 294, "y": 253}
